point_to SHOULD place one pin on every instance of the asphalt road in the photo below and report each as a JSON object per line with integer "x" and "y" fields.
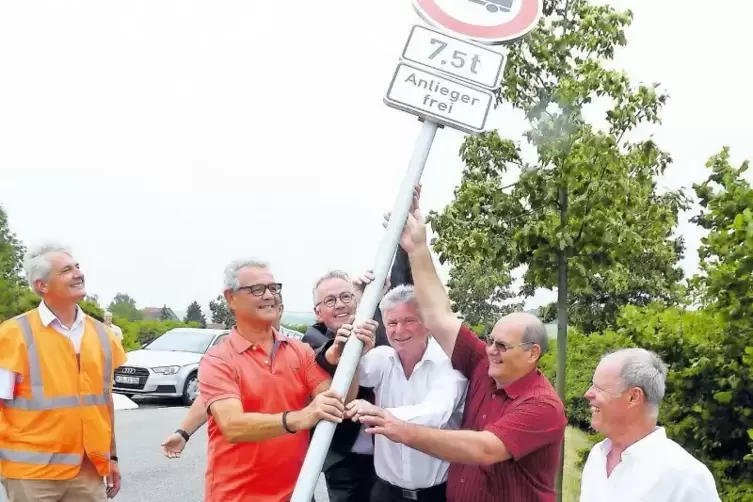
{"x": 147, "y": 475}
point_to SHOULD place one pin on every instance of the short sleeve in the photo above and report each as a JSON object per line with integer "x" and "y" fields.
{"x": 372, "y": 366}
{"x": 217, "y": 380}
{"x": 313, "y": 375}
{"x": 468, "y": 351}
{"x": 529, "y": 426}
{"x": 12, "y": 348}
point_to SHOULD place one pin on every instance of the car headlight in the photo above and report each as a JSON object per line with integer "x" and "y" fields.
{"x": 166, "y": 370}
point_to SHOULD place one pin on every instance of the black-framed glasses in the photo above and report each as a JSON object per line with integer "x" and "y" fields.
{"x": 503, "y": 347}
{"x": 330, "y": 301}
{"x": 259, "y": 289}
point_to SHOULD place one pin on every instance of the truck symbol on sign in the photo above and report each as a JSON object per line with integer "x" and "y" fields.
{"x": 495, "y": 5}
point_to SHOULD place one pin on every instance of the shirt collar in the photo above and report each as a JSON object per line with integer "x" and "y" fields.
{"x": 47, "y": 317}
{"x": 433, "y": 353}
{"x": 241, "y": 345}
{"x": 647, "y": 443}
{"x": 514, "y": 389}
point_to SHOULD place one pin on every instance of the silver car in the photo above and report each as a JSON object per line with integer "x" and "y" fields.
{"x": 169, "y": 365}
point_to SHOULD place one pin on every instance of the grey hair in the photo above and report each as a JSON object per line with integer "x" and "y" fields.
{"x": 231, "y": 272}
{"x": 107, "y": 312}
{"x": 535, "y": 332}
{"x": 332, "y": 274}
{"x": 643, "y": 369}
{"x": 404, "y": 293}
{"x": 37, "y": 264}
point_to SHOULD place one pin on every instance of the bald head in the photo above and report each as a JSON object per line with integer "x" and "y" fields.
{"x": 528, "y": 326}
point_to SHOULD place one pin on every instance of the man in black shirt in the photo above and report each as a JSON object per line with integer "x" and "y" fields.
{"x": 349, "y": 465}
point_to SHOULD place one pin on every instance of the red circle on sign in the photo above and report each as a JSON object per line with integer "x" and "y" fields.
{"x": 520, "y": 25}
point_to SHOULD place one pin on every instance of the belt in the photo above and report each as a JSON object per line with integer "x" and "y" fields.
{"x": 417, "y": 494}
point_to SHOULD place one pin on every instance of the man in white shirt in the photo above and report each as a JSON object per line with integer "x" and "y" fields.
{"x": 637, "y": 462}
{"x": 115, "y": 329}
{"x": 414, "y": 380}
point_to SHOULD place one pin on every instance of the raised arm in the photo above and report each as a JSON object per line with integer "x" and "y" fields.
{"x": 434, "y": 304}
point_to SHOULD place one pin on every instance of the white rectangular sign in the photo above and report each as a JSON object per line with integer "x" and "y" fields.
{"x": 472, "y": 62}
{"x": 440, "y": 98}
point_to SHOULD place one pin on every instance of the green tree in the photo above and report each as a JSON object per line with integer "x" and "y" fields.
{"x": 194, "y": 314}
{"x": 478, "y": 291}
{"x": 90, "y": 305}
{"x": 221, "y": 314}
{"x": 617, "y": 219}
{"x": 15, "y": 295}
{"x": 124, "y": 306}
{"x": 164, "y": 314}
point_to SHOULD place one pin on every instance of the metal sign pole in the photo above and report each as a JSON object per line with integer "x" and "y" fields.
{"x": 312, "y": 465}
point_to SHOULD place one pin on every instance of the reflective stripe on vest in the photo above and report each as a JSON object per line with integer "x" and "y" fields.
{"x": 31, "y": 457}
{"x": 38, "y": 401}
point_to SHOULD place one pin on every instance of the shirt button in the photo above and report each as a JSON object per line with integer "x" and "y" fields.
{"x": 266, "y": 361}
{"x": 462, "y": 480}
{"x": 483, "y": 416}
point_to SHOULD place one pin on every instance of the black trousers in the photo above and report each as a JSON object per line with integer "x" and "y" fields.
{"x": 351, "y": 479}
{"x": 385, "y": 492}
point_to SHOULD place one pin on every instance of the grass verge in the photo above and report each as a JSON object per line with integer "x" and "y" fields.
{"x": 575, "y": 441}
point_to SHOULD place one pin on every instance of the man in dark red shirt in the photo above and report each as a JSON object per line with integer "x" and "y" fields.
{"x": 514, "y": 423}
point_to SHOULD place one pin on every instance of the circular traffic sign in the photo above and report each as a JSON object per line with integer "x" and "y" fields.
{"x": 487, "y": 21}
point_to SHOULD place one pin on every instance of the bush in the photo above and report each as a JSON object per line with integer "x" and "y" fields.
{"x": 708, "y": 407}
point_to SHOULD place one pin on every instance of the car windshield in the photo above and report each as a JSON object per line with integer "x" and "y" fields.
{"x": 182, "y": 341}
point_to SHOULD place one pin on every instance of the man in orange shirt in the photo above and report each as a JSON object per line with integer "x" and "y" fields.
{"x": 263, "y": 393}
{"x": 57, "y": 434}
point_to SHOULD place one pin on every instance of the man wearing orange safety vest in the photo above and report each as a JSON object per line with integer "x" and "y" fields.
{"x": 57, "y": 419}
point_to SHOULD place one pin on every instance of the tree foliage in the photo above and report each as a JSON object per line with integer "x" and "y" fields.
{"x": 478, "y": 292}
{"x": 124, "y": 306}
{"x": 618, "y": 235}
{"x": 221, "y": 313}
{"x": 194, "y": 314}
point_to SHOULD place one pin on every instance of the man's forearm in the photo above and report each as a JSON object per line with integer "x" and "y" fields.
{"x": 457, "y": 447}
{"x": 255, "y": 427}
{"x": 195, "y": 418}
{"x": 430, "y": 292}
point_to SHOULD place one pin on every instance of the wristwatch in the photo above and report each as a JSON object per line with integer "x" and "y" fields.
{"x": 183, "y": 433}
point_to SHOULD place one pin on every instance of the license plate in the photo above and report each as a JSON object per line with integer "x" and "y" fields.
{"x": 126, "y": 379}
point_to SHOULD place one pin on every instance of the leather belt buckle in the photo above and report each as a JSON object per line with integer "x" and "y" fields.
{"x": 410, "y": 494}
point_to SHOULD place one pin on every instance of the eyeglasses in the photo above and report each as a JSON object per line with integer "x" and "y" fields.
{"x": 331, "y": 300}
{"x": 259, "y": 289}
{"x": 503, "y": 347}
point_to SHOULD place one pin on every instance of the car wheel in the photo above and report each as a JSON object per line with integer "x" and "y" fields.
{"x": 190, "y": 389}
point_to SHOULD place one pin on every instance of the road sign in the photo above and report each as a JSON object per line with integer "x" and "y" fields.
{"x": 446, "y": 100}
{"x": 487, "y": 21}
{"x": 472, "y": 62}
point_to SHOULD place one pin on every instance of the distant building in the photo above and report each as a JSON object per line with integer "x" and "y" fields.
{"x": 155, "y": 314}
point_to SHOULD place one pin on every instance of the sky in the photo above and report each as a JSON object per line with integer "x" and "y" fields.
{"x": 161, "y": 140}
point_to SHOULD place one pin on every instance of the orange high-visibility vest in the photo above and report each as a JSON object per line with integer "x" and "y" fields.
{"x": 59, "y": 412}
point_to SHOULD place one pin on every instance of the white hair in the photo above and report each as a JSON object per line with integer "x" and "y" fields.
{"x": 37, "y": 264}
{"x": 332, "y": 274}
{"x": 643, "y": 369}
{"x": 107, "y": 312}
{"x": 404, "y": 293}
{"x": 231, "y": 272}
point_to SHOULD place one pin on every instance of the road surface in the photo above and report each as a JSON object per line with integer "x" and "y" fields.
{"x": 147, "y": 475}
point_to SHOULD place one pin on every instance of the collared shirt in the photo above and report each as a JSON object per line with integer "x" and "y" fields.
{"x": 432, "y": 396}
{"x": 652, "y": 469}
{"x": 269, "y": 383}
{"x": 75, "y": 333}
{"x": 526, "y": 415}
{"x": 291, "y": 333}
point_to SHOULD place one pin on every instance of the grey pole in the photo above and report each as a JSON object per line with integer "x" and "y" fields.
{"x": 562, "y": 330}
{"x": 312, "y": 465}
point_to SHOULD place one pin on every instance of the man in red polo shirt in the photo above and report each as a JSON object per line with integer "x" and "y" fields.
{"x": 263, "y": 392}
{"x": 514, "y": 423}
